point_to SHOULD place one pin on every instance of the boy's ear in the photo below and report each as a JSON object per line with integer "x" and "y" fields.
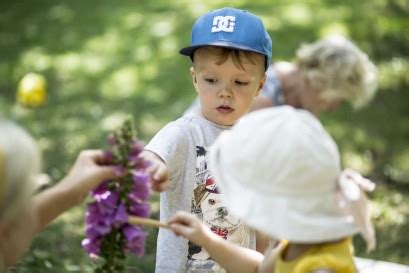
{"x": 192, "y": 72}
{"x": 261, "y": 84}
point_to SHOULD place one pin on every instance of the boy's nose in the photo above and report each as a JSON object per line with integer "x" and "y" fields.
{"x": 225, "y": 92}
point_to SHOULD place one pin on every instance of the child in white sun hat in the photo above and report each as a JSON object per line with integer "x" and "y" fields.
{"x": 279, "y": 171}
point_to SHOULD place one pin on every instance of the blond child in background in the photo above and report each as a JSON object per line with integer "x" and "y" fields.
{"x": 230, "y": 50}
{"x": 279, "y": 171}
{"x": 23, "y": 215}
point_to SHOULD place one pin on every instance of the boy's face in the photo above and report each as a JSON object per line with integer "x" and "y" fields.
{"x": 226, "y": 91}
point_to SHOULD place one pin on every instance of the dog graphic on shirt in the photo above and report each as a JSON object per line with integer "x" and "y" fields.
{"x": 216, "y": 216}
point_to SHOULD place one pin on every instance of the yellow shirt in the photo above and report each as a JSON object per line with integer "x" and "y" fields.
{"x": 335, "y": 257}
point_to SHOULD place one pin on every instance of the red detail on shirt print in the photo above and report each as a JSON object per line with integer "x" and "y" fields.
{"x": 222, "y": 232}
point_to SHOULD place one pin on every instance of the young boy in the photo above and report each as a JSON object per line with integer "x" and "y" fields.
{"x": 230, "y": 50}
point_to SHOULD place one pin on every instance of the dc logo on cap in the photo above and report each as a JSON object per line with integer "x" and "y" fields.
{"x": 223, "y": 23}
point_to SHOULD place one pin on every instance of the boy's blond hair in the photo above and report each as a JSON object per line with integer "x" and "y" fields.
{"x": 339, "y": 69}
{"x": 238, "y": 56}
{"x": 20, "y": 162}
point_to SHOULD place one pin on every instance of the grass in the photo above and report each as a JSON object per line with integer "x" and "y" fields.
{"x": 106, "y": 59}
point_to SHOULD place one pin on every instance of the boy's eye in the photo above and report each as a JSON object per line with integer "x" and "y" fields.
{"x": 210, "y": 80}
{"x": 241, "y": 83}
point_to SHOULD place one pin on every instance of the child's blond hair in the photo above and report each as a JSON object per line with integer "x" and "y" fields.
{"x": 20, "y": 162}
{"x": 339, "y": 69}
{"x": 238, "y": 56}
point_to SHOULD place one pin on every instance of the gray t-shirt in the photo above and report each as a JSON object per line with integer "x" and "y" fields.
{"x": 182, "y": 144}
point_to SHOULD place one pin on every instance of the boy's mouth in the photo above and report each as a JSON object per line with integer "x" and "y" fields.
{"x": 224, "y": 109}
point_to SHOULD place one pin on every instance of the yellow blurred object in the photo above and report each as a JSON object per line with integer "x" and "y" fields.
{"x": 323, "y": 262}
{"x": 32, "y": 90}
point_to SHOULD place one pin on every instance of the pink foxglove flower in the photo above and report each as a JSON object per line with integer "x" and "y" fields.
{"x": 108, "y": 235}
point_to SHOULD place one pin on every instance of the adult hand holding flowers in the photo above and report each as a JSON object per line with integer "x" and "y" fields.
{"x": 88, "y": 171}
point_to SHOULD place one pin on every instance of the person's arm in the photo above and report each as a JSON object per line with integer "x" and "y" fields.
{"x": 232, "y": 257}
{"x": 84, "y": 176}
{"x": 271, "y": 254}
{"x": 261, "y": 102}
{"x": 158, "y": 170}
{"x": 262, "y": 242}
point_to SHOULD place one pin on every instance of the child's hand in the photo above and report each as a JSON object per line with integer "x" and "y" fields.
{"x": 270, "y": 257}
{"x": 158, "y": 171}
{"x": 86, "y": 174}
{"x": 190, "y": 227}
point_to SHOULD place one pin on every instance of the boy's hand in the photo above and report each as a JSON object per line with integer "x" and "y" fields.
{"x": 158, "y": 171}
{"x": 86, "y": 174}
{"x": 190, "y": 227}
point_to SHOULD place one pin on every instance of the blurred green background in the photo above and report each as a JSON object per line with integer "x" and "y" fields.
{"x": 106, "y": 59}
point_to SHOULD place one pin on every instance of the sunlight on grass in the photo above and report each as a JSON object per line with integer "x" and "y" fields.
{"x": 122, "y": 83}
{"x": 389, "y": 209}
{"x": 108, "y": 43}
{"x": 162, "y": 27}
{"x": 402, "y": 159}
{"x": 67, "y": 64}
{"x": 361, "y": 162}
{"x": 74, "y": 218}
{"x": 334, "y": 28}
{"x": 35, "y": 59}
{"x": 61, "y": 13}
{"x": 142, "y": 53}
{"x": 197, "y": 8}
{"x": 113, "y": 121}
{"x": 150, "y": 124}
{"x": 298, "y": 14}
{"x": 398, "y": 171}
{"x": 94, "y": 64}
{"x": 394, "y": 72}
{"x": 154, "y": 94}
{"x": 337, "y": 129}
{"x": 132, "y": 20}
{"x": 74, "y": 142}
{"x": 168, "y": 46}
{"x": 272, "y": 23}
{"x": 44, "y": 143}
{"x": 149, "y": 72}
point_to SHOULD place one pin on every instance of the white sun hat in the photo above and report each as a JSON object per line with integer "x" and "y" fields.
{"x": 278, "y": 170}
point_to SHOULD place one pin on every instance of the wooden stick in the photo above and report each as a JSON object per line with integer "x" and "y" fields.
{"x": 134, "y": 220}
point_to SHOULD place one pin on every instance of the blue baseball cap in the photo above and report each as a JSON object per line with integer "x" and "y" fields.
{"x": 231, "y": 28}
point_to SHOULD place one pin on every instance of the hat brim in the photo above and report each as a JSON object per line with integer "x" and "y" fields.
{"x": 188, "y": 51}
{"x": 292, "y": 218}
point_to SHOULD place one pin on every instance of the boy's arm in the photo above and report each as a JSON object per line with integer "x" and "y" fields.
{"x": 167, "y": 153}
{"x": 84, "y": 176}
{"x": 232, "y": 257}
{"x": 158, "y": 170}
